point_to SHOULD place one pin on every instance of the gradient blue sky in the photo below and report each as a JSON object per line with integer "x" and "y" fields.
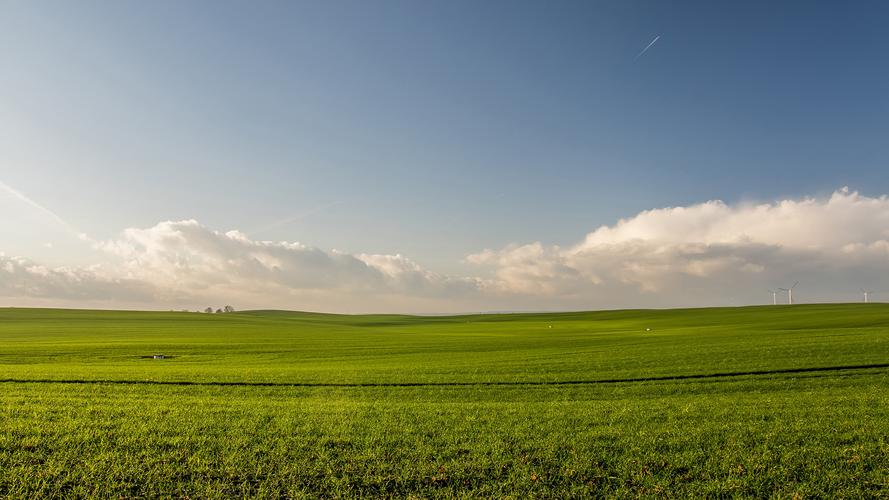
{"x": 429, "y": 129}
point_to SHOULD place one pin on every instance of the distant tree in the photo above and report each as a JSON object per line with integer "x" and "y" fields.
{"x": 208, "y": 310}
{"x": 219, "y": 311}
{"x": 228, "y": 309}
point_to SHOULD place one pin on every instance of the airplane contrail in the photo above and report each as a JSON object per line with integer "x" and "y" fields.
{"x": 28, "y": 201}
{"x": 297, "y": 216}
{"x": 647, "y": 47}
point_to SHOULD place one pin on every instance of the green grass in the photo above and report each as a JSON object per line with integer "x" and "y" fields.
{"x": 758, "y": 401}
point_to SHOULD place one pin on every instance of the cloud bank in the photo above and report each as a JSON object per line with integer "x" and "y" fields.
{"x": 709, "y": 253}
{"x": 185, "y": 259}
{"x": 704, "y": 254}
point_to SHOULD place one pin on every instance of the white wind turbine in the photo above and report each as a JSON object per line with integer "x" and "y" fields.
{"x": 866, "y": 293}
{"x": 789, "y": 292}
{"x": 774, "y": 297}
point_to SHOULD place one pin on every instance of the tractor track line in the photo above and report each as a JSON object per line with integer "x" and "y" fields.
{"x": 452, "y": 384}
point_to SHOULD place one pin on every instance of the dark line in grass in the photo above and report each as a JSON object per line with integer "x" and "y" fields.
{"x": 450, "y": 384}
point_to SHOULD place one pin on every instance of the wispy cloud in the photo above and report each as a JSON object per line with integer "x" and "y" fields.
{"x": 296, "y": 217}
{"x": 656, "y": 38}
{"x": 15, "y": 193}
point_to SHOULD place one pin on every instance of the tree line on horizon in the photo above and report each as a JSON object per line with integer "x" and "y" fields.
{"x": 226, "y": 309}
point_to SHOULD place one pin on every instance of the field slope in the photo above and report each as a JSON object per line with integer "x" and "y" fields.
{"x": 755, "y": 401}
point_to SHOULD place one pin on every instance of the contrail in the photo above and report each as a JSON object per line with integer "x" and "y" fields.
{"x": 28, "y": 201}
{"x": 647, "y": 47}
{"x": 296, "y": 217}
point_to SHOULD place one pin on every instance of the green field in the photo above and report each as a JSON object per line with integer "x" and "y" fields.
{"x": 759, "y": 401}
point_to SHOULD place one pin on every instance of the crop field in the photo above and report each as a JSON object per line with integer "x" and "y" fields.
{"x": 784, "y": 401}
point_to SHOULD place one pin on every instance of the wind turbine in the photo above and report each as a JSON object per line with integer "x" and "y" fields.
{"x": 789, "y": 292}
{"x": 774, "y": 297}
{"x": 866, "y": 293}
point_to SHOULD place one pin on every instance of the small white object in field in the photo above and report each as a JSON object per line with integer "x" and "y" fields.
{"x": 550, "y": 326}
{"x": 647, "y": 329}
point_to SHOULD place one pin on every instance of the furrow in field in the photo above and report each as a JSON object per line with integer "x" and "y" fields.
{"x": 752, "y": 373}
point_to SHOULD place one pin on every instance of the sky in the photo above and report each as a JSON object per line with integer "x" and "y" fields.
{"x": 434, "y": 157}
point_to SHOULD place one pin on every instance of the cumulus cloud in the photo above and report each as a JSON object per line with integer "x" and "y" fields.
{"x": 20, "y": 277}
{"x": 706, "y": 252}
{"x": 818, "y": 224}
{"x": 186, "y": 257}
{"x": 184, "y": 262}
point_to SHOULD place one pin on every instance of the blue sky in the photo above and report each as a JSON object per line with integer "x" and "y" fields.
{"x": 433, "y": 130}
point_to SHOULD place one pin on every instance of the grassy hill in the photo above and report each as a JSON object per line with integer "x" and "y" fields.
{"x": 776, "y": 400}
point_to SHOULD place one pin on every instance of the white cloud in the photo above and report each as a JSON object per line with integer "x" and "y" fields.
{"x": 187, "y": 258}
{"x": 185, "y": 264}
{"x": 21, "y": 277}
{"x": 818, "y": 224}
{"x": 703, "y": 254}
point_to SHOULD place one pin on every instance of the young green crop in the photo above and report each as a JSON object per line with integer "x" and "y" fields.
{"x": 709, "y": 402}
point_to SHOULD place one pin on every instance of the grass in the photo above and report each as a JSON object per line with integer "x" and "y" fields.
{"x": 758, "y": 401}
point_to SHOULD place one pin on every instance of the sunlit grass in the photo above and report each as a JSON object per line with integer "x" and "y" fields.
{"x": 352, "y": 426}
